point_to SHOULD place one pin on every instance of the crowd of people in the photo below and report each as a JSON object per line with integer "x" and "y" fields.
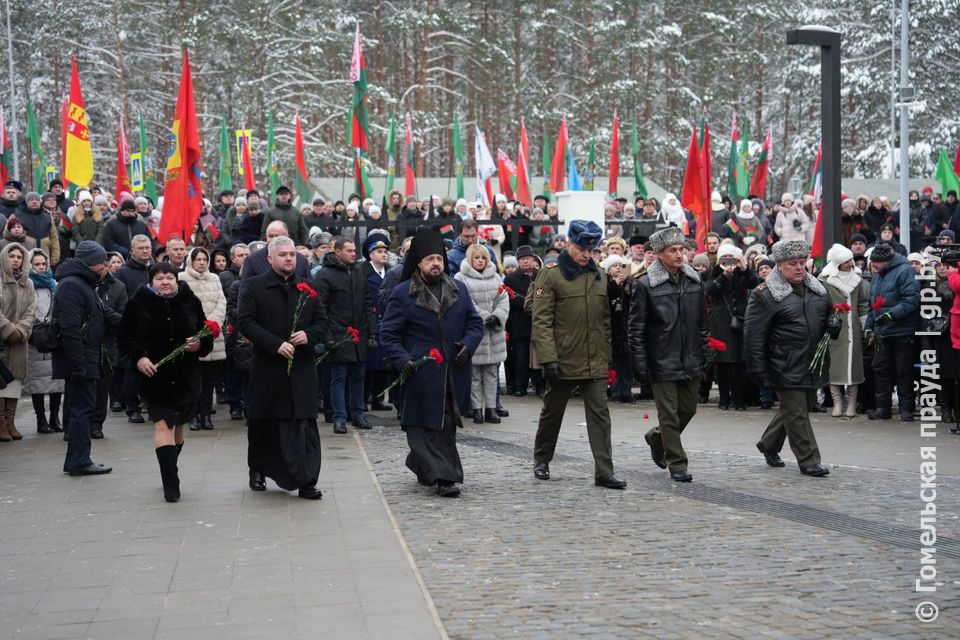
{"x": 92, "y": 272}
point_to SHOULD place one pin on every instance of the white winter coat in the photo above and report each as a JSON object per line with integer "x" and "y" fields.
{"x": 207, "y": 287}
{"x": 482, "y": 288}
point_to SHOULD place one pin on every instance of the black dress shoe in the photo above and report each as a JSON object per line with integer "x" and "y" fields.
{"x": 380, "y": 405}
{"x": 135, "y": 417}
{"x": 477, "y": 416}
{"x": 310, "y": 493}
{"x": 44, "y": 427}
{"x": 906, "y": 417}
{"x": 328, "y": 418}
{"x": 96, "y": 434}
{"x": 541, "y": 471}
{"x": 739, "y": 407}
{"x": 92, "y": 469}
{"x": 491, "y": 416}
{"x": 206, "y": 423}
{"x": 339, "y": 427}
{"x": 681, "y": 476}
{"x": 766, "y": 404}
{"x": 519, "y": 394}
{"x": 447, "y": 490}
{"x": 116, "y": 407}
{"x": 55, "y": 423}
{"x": 772, "y": 457}
{"x": 257, "y": 481}
{"x": 879, "y": 414}
{"x": 723, "y": 406}
{"x": 815, "y": 471}
{"x": 610, "y": 482}
{"x": 955, "y": 429}
{"x": 236, "y": 414}
{"x": 503, "y": 413}
{"x": 656, "y": 451}
{"x": 195, "y": 424}
{"x": 362, "y": 423}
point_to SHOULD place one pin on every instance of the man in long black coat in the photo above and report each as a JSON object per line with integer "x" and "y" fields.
{"x": 519, "y": 322}
{"x": 430, "y": 310}
{"x": 282, "y": 437}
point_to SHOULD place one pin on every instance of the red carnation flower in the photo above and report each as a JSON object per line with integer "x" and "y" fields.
{"x": 436, "y": 356}
{"x": 303, "y": 287}
{"x": 878, "y": 303}
{"x": 611, "y": 377}
{"x": 213, "y": 327}
{"x": 354, "y": 335}
{"x": 716, "y": 345}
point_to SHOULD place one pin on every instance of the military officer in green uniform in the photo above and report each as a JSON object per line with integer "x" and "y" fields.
{"x": 786, "y": 317}
{"x": 571, "y": 329}
{"x": 667, "y": 328}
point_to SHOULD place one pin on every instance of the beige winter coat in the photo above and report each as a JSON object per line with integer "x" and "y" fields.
{"x": 207, "y": 287}
{"x": 18, "y": 308}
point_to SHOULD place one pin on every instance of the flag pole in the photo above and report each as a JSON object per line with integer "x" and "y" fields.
{"x": 13, "y": 96}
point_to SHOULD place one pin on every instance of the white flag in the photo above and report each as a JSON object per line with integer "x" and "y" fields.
{"x": 486, "y": 167}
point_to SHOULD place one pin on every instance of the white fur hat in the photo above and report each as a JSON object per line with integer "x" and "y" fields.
{"x": 839, "y": 254}
{"x": 729, "y": 250}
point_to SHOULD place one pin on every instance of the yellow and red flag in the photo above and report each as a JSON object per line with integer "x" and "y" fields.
{"x": 78, "y": 150}
{"x": 182, "y": 193}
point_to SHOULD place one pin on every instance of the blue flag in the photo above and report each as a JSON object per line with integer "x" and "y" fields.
{"x": 573, "y": 178}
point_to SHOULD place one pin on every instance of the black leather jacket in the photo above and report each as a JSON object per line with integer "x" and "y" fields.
{"x": 667, "y": 327}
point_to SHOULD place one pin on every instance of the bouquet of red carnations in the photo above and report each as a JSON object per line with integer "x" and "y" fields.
{"x": 353, "y": 335}
{"x": 434, "y": 355}
{"x": 210, "y": 328}
{"x": 820, "y": 355}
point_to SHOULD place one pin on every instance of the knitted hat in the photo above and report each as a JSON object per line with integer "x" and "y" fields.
{"x": 128, "y": 205}
{"x": 947, "y": 233}
{"x": 667, "y": 238}
{"x": 858, "y": 237}
{"x": 90, "y": 253}
{"x": 882, "y": 252}
{"x": 701, "y": 260}
{"x": 139, "y": 200}
{"x": 716, "y": 201}
{"x": 839, "y": 254}
{"x": 785, "y": 250}
{"x": 729, "y": 250}
{"x": 610, "y": 261}
{"x": 617, "y": 240}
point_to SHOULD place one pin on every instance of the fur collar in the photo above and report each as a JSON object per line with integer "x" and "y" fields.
{"x": 570, "y": 269}
{"x": 658, "y": 274}
{"x": 780, "y": 288}
{"x": 423, "y": 298}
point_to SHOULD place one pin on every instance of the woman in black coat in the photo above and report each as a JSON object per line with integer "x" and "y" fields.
{"x": 159, "y": 318}
{"x": 728, "y": 290}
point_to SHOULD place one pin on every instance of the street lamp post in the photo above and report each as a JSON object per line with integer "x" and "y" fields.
{"x": 829, "y": 42}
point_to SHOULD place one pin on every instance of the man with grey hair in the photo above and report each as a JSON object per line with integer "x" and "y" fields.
{"x": 667, "y": 329}
{"x": 177, "y": 253}
{"x": 282, "y": 436}
{"x": 238, "y": 255}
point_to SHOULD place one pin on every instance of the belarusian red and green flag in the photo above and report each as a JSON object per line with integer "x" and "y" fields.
{"x": 301, "y": 178}
{"x": 273, "y": 170}
{"x": 946, "y": 175}
{"x": 37, "y": 162}
{"x": 226, "y": 159}
{"x": 640, "y": 186}
{"x": 457, "y": 155}
{"x": 505, "y": 171}
{"x": 4, "y": 150}
{"x": 149, "y": 179}
{"x": 410, "y": 178}
{"x": 614, "y": 173}
{"x": 359, "y": 131}
{"x": 758, "y": 185}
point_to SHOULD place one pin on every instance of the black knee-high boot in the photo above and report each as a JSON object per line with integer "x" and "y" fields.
{"x": 42, "y": 425}
{"x": 55, "y": 412}
{"x": 167, "y": 459}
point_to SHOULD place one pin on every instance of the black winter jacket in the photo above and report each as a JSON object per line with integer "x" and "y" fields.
{"x": 781, "y": 331}
{"x": 346, "y": 300}
{"x": 113, "y": 296}
{"x": 78, "y": 314}
{"x": 519, "y": 323}
{"x": 118, "y": 232}
{"x": 667, "y": 327}
{"x": 133, "y": 275}
{"x": 153, "y": 326}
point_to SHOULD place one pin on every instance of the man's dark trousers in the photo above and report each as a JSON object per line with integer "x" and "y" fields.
{"x": 81, "y": 396}
{"x": 594, "y": 395}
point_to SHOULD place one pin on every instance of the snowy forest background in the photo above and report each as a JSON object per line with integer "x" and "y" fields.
{"x": 663, "y": 62}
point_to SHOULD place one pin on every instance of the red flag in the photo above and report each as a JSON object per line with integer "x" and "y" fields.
{"x": 692, "y": 195}
{"x": 523, "y": 170}
{"x": 410, "y": 178}
{"x": 248, "y": 182}
{"x": 4, "y": 150}
{"x": 558, "y": 170}
{"x": 758, "y": 185}
{"x": 302, "y": 179}
{"x": 614, "y": 157}
{"x": 956, "y": 162}
{"x": 182, "y": 192}
{"x": 123, "y": 157}
{"x": 505, "y": 169}
{"x": 706, "y": 179}
{"x": 64, "y": 116}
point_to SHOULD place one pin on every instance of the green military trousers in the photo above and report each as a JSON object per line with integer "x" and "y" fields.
{"x": 594, "y": 394}
{"x": 792, "y": 422}
{"x": 676, "y": 402}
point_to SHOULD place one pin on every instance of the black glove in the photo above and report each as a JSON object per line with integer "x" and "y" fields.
{"x": 884, "y": 319}
{"x": 319, "y": 349}
{"x": 834, "y": 324}
{"x": 408, "y": 369}
{"x": 328, "y": 345}
{"x": 492, "y": 322}
{"x": 372, "y": 343}
{"x": 463, "y": 356}
{"x": 551, "y": 372}
{"x": 869, "y": 337}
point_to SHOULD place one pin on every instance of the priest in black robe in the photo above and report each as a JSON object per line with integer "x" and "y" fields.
{"x": 430, "y": 310}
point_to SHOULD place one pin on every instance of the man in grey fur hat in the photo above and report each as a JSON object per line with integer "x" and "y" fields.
{"x": 667, "y": 328}
{"x": 786, "y": 317}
